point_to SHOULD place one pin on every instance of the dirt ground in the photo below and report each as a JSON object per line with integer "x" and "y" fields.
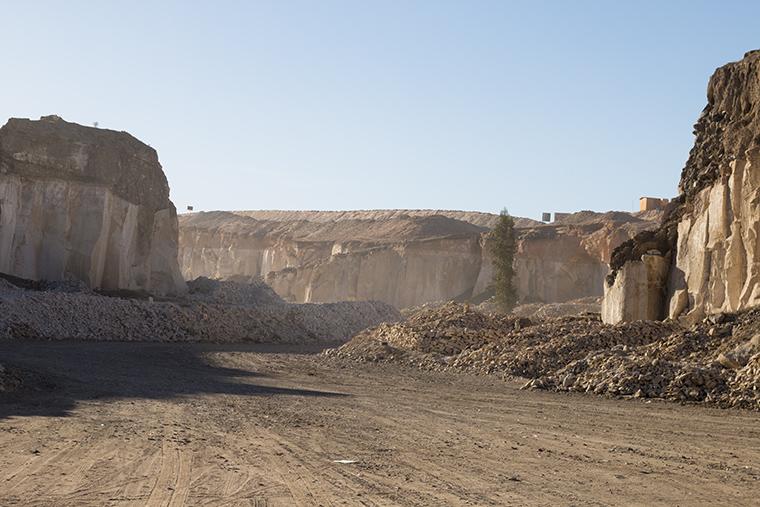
{"x": 167, "y": 424}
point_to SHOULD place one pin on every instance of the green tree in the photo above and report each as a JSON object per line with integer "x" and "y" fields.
{"x": 502, "y": 245}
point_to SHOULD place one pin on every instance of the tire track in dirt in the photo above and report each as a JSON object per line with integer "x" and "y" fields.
{"x": 262, "y": 427}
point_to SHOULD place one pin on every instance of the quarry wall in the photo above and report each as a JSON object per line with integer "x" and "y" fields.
{"x": 709, "y": 239}
{"x": 401, "y": 257}
{"x": 79, "y": 203}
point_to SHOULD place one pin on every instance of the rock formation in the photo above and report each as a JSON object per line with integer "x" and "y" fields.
{"x": 709, "y": 239}
{"x": 402, "y": 257}
{"x": 79, "y": 203}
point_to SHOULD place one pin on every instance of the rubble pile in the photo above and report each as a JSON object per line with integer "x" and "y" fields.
{"x": 550, "y": 345}
{"x": 252, "y": 292}
{"x": 554, "y": 310}
{"x": 716, "y": 361}
{"x": 204, "y": 316}
{"x": 6, "y": 286}
{"x": 10, "y": 379}
{"x": 430, "y": 333}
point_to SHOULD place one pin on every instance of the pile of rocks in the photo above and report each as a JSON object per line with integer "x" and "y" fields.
{"x": 554, "y": 310}
{"x": 428, "y": 335}
{"x": 56, "y": 315}
{"x": 10, "y": 379}
{"x": 716, "y": 361}
{"x": 550, "y": 345}
{"x": 449, "y": 329}
{"x": 253, "y": 292}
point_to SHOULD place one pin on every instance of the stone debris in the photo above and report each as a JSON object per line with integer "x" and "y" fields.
{"x": 431, "y": 333}
{"x": 217, "y": 312}
{"x": 554, "y": 310}
{"x": 716, "y": 361}
{"x": 10, "y": 379}
{"x": 251, "y": 292}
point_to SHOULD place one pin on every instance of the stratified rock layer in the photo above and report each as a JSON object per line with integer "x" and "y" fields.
{"x": 712, "y": 236}
{"x": 79, "y": 203}
{"x": 402, "y": 257}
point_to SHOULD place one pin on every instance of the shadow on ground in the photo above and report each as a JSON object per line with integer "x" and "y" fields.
{"x": 58, "y": 375}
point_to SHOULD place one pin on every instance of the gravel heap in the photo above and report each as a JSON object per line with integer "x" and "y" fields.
{"x": 717, "y": 361}
{"x": 434, "y": 331}
{"x": 56, "y": 315}
{"x": 6, "y": 286}
{"x": 554, "y": 310}
{"x": 10, "y": 379}
{"x": 430, "y": 337}
{"x": 253, "y": 292}
{"x": 548, "y": 346}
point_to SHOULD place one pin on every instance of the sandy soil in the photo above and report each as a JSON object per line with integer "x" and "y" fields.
{"x": 168, "y": 424}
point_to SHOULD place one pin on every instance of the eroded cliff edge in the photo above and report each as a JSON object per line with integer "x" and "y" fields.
{"x": 705, "y": 259}
{"x": 80, "y": 203}
{"x": 401, "y": 257}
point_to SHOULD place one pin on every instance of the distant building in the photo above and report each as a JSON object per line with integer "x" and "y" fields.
{"x": 560, "y": 216}
{"x": 546, "y": 217}
{"x": 650, "y": 203}
{"x": 189, "y": 208}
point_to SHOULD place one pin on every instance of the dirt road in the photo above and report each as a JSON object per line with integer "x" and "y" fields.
{"x": 166, "y": 424}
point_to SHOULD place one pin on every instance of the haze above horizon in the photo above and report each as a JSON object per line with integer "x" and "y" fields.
{"x": 337, "y": 105}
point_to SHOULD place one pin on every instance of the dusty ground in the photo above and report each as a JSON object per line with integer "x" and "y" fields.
{"x": 168, "y": 424}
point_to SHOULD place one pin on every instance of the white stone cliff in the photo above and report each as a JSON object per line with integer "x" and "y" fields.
{"x": 710, "y": 239}
{"x": 79, "y": 203}
{"x": 717, "y": 265}
{"x": 402, "y": 257}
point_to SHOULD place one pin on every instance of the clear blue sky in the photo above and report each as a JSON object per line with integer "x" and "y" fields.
{"x": 476, "y": 105}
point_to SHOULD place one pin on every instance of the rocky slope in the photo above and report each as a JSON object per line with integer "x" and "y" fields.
{"x": 716, "y": 362}
{"x": 210, "y": 311}
{"x": 705, "y": 258}
{"x": 86, "y": 204}
{"x": 402, "y": 257}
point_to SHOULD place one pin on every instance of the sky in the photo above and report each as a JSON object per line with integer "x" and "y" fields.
{"x": 474, "y": 105}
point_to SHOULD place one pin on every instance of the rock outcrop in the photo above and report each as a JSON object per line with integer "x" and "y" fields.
{"x": 80, "y": 203}
{"x": 710, "y": 238}
{"x": 401, "y": 257}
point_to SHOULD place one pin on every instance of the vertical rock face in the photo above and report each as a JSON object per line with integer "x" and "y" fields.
{"x": 638, "y": 292}
{"x": 401, "y": 257}
{"x": 713, "y": 235}
{"x": 718, "y": 254}
{"x": 401, "y": 260}
{"x": 87, "y": 204}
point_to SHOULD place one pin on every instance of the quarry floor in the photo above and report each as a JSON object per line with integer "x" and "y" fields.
{"x": 168, "y": 424}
